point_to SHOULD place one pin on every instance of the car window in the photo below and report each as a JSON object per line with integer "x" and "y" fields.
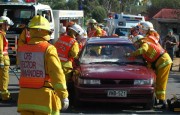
{"x": 108, "y": 53}
{"x": 122, "y": 31}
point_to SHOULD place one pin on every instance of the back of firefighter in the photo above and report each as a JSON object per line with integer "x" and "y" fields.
{"x": 149, "y": 33}
{"x": 43, "y": 89}
{"x": 160, "y": 61}
{"x": 94, "y": 30}
{"x": 5, "y": 24}
{"x": 68, "y": 48}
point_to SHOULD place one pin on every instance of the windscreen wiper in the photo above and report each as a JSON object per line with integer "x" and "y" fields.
{"x": 136, "y": 63}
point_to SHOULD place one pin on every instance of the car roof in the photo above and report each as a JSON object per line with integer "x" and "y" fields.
{"x": 109, "y": 39}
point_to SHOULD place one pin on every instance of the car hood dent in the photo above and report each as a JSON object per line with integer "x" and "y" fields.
{"x": 113, "y": 71}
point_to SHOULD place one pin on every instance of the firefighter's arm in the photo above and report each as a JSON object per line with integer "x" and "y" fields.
{"x": 74, "y": 50}
{"x": 54, "y": 69}
{"x": 1, "y": 49}
{"x": 148, "y": 64}
{"x": 98, "y": 32}
{"x": 22, "y": 38}
{"x": 143, "y": 49}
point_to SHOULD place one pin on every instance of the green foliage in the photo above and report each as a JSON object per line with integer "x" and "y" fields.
{"x": 99, "y": 14}
{"x": 72, "y": 4}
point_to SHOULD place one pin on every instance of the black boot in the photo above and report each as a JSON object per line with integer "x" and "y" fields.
{"x": 163, "y": 104}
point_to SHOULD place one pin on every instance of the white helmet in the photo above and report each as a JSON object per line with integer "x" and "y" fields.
{"x": 77, "y": 28}
{"x": 84, "y": 34}
{"x": 147, "y": 25}
{"x": 136, "y": 38}
{"x": 4, "y": 19}
{"x": 62, "y": 30}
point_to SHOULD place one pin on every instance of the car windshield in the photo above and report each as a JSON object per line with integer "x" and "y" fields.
{"x": 109, "y": 53}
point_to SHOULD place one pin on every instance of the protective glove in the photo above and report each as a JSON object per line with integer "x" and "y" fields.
{"x": 65, "y": 104}
{"x": 127, "y": 54}
{"x": 1, "y": 65}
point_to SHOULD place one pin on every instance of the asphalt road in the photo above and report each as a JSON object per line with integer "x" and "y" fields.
{"x": 101, "y": 109}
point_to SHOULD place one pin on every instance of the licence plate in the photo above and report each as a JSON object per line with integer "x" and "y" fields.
{"x": 117, "y": 93}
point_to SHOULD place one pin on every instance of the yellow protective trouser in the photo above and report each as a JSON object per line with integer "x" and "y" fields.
{"x": 162, "y": 75}
{"x": 4, "y": 81}
{"x": 32, "y": 113}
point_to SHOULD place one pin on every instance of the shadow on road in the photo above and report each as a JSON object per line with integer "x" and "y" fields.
{"x": 111, "y": 108}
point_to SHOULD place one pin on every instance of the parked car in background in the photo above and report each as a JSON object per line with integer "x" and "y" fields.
{"x": 105, "y": 74}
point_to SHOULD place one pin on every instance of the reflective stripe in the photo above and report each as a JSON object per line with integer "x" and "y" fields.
{"x": 164, "y": 64}
{"x": 60, "y": 86}
{"x": 153, "y": 54}
{"x": 160, "y": 92}
{"x": 63, "y": 59}
{"x": 38, "y": 107}
{"x": 4, "y": 92}
{"x": 141, "y": 50}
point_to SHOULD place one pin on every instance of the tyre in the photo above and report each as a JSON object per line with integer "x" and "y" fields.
{"x": 76, "y": 101}
{"x": 149, "y": 106}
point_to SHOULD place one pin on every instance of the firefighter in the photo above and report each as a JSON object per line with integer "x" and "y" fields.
{"x": 5, "y": 24}
{"x": 160, "y": 61}
{"x": 68, "y": 48}
{"x": 93, "y": 29}
{"x": 43, "y": 89}
{"x": 149, "y": 33}
{"x": 104, "y": 33}
{"x": 62, "y": 31}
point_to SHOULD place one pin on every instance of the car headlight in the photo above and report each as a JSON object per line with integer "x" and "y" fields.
{"x": 89, "y": 81}
{"x": 143, "y": 82}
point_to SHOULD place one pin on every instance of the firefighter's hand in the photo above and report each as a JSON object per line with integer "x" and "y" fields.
{"x": 65, "y": 104}
{"x": 149, "y": 65}
{"x": 127, "y": 54}
{"x": 1, "y": 65}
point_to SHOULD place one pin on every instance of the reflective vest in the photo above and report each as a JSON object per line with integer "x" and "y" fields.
{"x": 63, "y": 46}
{"x": 92, "y": 33}
{"x": 104, "y": 33}
{"x": 5, "y": 44}
{"x": 151, "y": 38}
{"x": 154, "y": 54}
{"x": 27, "y": 35}
{"x": 32, "y": 65}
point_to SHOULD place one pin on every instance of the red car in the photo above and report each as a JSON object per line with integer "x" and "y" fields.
{"x": 105, "y": 74}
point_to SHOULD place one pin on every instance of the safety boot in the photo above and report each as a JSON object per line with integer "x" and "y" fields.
{"x": 163, "y": 104}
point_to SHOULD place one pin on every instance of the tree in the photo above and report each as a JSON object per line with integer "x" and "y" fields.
{"x": 110, "y": 5}
{"x": 72, "y": 4}
{"x": 99, "y": 13}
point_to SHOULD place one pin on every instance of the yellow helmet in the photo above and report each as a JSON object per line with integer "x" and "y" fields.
{"x": 39, "y": 22}
{"x": 93, "y": 21}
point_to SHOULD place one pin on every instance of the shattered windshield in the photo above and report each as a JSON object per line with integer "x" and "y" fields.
{"x": 109, "y": 53}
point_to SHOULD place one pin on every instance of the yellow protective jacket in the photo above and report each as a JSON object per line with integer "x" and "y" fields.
{"x": 22, "y": 38}
{"x": 145, "y": 49}
{"x": 3, "y": 59}
{"x": 47, "y": 99}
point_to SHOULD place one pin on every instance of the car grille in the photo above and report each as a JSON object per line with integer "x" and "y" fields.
{"x": 118, "y": 82}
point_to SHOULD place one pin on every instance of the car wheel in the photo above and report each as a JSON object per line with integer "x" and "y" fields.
{"x": 76, "y": 101}
{"x": 149, "y": 106}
